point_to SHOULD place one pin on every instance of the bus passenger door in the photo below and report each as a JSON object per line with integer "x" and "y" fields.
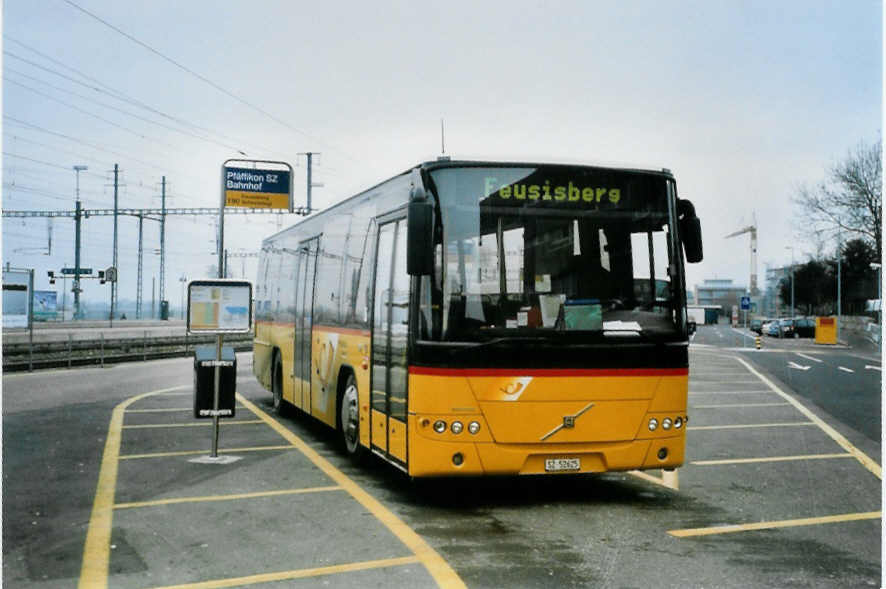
{"x": 304, "y": 302}
{"x": 389, "y": 342}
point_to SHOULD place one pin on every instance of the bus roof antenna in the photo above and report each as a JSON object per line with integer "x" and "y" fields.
{"x": 442, "y": 157}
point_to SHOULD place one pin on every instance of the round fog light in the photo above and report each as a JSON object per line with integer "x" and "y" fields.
{"x": 457, "y": 427}
{"x": 666, "y": 423}
{"x": 474, "y": 427}
{"x": 458, "y": 459}
{"x": 662, "y": 453}
{"x": 439, "y": 426}
{"x": 653, "y": 424}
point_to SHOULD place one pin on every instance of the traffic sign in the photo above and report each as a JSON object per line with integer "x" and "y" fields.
{"x": 74, "y": 271}
{"x": 745, "y": 303}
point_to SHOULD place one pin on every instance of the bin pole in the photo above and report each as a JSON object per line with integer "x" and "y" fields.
{"x": 215, "y": 387}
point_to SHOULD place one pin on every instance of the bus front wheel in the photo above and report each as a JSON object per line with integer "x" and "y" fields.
{"x": 349, "y": 419}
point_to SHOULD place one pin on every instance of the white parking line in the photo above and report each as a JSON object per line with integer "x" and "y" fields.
{"x": 844, "y": 369}
{"x": 870, "y": 367}
{"x": 863, "y": 458}
{"x": 810, "y": 358}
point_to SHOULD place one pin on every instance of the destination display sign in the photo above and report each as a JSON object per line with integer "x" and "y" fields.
{"x": 565, "y": 191}
{"x": 219, "y": 306}
{"x": 257, "y": 189}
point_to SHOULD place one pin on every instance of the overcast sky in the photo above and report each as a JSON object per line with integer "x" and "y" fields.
{"x": 744, "y": 101}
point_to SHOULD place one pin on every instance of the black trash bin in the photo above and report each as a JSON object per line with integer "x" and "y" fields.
{"x": 204, "y": 382}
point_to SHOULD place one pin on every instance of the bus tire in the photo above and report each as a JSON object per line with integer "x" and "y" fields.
{"x": 277, "y": 385}
{"x": 349, "y": 419}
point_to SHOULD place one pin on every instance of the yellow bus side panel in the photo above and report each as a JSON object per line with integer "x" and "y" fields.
{"x": 397, "y": 439}
{"x": 331, "y": 349}
{"x": 379, "y": 430}
{"x": 268, "y": 336}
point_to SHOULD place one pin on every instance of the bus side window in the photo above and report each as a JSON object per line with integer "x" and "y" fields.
{"x": 363, "y": 299}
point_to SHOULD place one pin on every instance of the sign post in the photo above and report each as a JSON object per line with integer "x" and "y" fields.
{"x": 219, "y": 307}
{"x": 745, "y": 307}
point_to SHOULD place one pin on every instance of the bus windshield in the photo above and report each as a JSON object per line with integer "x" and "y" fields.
{"x": 537, "y": 251}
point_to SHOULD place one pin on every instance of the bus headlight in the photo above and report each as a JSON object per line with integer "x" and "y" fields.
{"x": 457, "y": 427}
{"x": 678, "y": 423}
{"x": 666, "y": 423}
{"x": 439, "y": 426}
{"x": 474, "y": 427}
{"x": 653, "y": 424}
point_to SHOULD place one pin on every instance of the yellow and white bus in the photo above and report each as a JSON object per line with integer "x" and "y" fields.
{"x": 469, "y": 318}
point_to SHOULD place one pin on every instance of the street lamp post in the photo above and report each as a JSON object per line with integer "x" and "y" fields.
{"x": 839, "y": 283}
{"x": 790, "y": 247}
{"x": 879, "y": 268}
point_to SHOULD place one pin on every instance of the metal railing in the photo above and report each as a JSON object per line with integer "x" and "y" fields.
{"x": 79, "y": 352}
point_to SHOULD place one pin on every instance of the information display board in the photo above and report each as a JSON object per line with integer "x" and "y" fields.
{"x": 16, "y": 298}
{"x": 219, "y": 306}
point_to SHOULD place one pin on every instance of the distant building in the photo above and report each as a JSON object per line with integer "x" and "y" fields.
{"x": 719, "y": 293}
{"x": 772, "y": 305}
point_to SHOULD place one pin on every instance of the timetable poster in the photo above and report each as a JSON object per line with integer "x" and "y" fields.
{"x": 219, "y": 307}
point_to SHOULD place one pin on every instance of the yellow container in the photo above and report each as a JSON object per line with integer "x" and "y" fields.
{"x": 826, "y": 330}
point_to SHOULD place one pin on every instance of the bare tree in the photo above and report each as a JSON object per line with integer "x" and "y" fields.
{"x": 850, "y": 199}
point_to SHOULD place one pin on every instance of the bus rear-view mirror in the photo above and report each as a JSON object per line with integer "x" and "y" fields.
{"x": 420, "y": 234}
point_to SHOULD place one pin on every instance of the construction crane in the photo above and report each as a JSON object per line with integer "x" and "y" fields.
{"x": 752, "y": 229}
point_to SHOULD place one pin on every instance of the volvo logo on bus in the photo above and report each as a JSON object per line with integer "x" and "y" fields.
{"x": 568, "y": 422}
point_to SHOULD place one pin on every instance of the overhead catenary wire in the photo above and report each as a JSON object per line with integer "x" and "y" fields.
{"x": 206, "y": 80}
{"x": 116, "y": 94}
{"x": 86, "y": 112}
{"x": 122, "y": 111}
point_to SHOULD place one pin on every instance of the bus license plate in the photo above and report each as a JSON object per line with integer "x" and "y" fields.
{"x": 561, "y": 464}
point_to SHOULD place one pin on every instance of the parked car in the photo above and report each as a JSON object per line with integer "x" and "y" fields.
{"x": 757, "y": 325}
{"x": 804, "y": 327}
{"x": 787, "y": 327}
{"x": 772, "y": 328}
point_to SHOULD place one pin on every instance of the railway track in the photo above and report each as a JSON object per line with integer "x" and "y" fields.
{"x": 101, "y": 351}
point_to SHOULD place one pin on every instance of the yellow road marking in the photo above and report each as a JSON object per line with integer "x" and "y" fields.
{"x": 740, "y": 405}
{"x": 771, "y": 459}
{"x": 863, "y": 458}
{"x": 170, "y": 410}
{"x": 439, "y": 569}
{"x": 198, "y": 424}
{"x": 232, "y": 497}
{"x": 96, "y": 551}
{"x": 668, "y": 478}
{"x": 788, "y": 523}
{"x": 750, "y": 425}
{"x": 194, "y": 452}
{"x": 298, "y": 574}
{"x": 754, "y": 392}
